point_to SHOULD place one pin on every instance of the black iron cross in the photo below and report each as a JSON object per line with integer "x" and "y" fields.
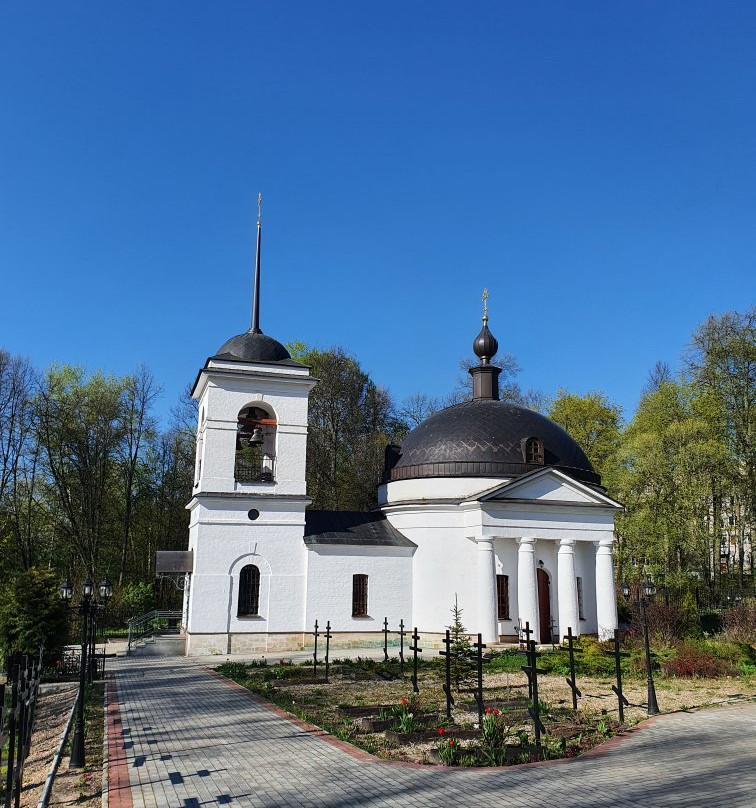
{"x": 402, "y": 633}
{"x": 328, "y": 636}
{"x": 527, "y": 631}
{"x": 532, "y": 670}
{"x": 415, "y": 651}
{"x": 622, "y": 702}
{"x": 479, "y": 646}
{"x": 315, "y": 652}
{"x": 385, "y": 639}
{"x": 447, "y": 685}
{"x": 572, "y": 650}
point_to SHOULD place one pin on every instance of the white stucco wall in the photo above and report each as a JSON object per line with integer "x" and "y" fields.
{"x": 329, "y": 586}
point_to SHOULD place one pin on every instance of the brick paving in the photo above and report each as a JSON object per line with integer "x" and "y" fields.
{"x": 188, "y": 739}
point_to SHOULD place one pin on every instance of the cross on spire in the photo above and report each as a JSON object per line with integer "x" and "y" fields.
{"x": 485, "y": 305}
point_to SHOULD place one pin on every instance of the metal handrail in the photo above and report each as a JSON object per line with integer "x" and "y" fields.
{"x": 140, "y": 627}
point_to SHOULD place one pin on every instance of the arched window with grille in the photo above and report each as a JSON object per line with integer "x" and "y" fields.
{"x": 359, "y": 596}
{"x": 249, "y": 592}
{"x": 534, "y": 451}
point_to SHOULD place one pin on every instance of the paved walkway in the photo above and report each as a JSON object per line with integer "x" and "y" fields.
{"x": 191, "y": 740}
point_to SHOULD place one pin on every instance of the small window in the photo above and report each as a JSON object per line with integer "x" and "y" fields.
{"x": 502, "y": 597}
{"x": 581, "y": 610}
{"x": 249, "y": 592}
{"x": 534, "y": 451}
{"x": 731, "y": 520}
{"x": 359, "y": 596}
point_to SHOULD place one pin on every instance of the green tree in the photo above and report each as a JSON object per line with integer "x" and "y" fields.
{"x": 665, "y": 462}
{"x": 351, "y": 419}
{"x": 460, "y": 647}
{"x": 721, "y": 365}
{"x": 32, "y": 614}
{"x": 80, "y": 425}
{"x": 593, "y": 421}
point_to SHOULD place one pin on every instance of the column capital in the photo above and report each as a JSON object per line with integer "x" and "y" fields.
{"x": 604, "y": 546}
{"x": 567, "y": 544}
{"x": 484, "y": 542}
{"x": 527, "y": 543}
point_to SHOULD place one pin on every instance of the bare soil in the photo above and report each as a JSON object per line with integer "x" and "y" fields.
{"x": 81, "y": 787}
{"x": 328, "y": 705}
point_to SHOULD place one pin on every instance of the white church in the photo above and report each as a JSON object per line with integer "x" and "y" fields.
{"x": 484, "y": 501}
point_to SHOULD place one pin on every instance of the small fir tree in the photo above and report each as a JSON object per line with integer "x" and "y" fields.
{"x": 461, "y": 649}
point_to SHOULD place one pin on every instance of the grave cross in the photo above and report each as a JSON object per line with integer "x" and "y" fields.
{"x": 315, "y": 652}
{"x": 385, "y": 639}
{"x": 617, "y": 654}
{"x": 532, "y": 670}
{"x": 527, "y": 631}
{"x": 415, "y": 651}
{"x": 328, "y": 636}
{"x": 447, "y": 685}
{"x": 402, "y": 634}
{"x": 572, "y": 650}
{"x": 479, "y": 646}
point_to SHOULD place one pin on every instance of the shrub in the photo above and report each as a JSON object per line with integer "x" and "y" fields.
{"x": 694, "y": 660}
{"x": 739, "y": 623}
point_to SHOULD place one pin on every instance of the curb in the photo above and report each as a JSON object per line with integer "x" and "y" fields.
{"x": 117, "y": 791}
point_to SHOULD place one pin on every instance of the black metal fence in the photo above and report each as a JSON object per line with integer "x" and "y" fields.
{"x": 67, "y": 667}
{"x": 18, "y": 700}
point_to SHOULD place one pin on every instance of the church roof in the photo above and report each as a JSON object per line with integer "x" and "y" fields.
{"x": 253, "y": 346}
{"x": 485, "y": 438}
{"x": 370, "y": 529}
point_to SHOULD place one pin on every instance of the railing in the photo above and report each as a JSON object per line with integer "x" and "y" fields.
{"x": 246, "y": 471}
{"x": 154, "y": 622}
{"x": 16, "y": 723}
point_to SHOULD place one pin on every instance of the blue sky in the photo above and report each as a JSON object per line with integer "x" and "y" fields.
{"x": 593, "y": 164}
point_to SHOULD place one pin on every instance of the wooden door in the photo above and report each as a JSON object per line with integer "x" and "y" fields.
{"x": 544, "y": 606}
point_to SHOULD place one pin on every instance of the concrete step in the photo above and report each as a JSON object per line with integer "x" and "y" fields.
{"x": 162, "y": 646}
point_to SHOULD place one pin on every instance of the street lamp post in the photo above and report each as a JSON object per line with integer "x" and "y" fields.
{"x": 85, "y": 608}
{"x": 649, "y": 590}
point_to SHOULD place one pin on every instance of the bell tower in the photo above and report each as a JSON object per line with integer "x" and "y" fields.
{"x": 249, "y": 497}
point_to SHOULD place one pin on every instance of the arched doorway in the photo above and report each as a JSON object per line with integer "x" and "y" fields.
{"x": 544, "y": 606}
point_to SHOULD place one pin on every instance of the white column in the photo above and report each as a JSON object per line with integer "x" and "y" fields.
{"x": 527, "y": 588}
{"x": 488, "y": 624}
{"x": 606, "y": 602}
{"x": 569, "y": 613}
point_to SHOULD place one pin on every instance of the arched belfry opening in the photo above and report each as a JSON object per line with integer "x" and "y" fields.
{"x": 255, "y": 460}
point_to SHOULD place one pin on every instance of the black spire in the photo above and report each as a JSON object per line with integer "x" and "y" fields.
{"x": 485, "y": 375}
{"x": 255, "y": 328}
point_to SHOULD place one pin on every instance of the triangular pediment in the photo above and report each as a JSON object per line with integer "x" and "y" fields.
{"x": 548, "y": 485}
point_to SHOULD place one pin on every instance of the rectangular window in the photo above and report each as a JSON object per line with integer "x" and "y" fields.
{"x": 581, "y": 610}
{"x": 359, "y": 596}
{"x": 502, "y": 597}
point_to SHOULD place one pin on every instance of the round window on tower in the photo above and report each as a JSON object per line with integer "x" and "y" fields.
{"x": 253, "y": 514}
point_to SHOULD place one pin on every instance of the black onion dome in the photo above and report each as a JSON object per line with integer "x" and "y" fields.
{"x": 485, "y": 344}
{"x": 486, "y": 438}
{"x": 253, "y": 346}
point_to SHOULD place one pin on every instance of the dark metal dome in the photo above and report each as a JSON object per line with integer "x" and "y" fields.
{"x": 253, "y": 346}
{"x": 485, "y": 345}
{"x": 487, "y": 438}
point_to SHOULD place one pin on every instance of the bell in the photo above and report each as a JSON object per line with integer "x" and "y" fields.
{"x": 257, "y": 437}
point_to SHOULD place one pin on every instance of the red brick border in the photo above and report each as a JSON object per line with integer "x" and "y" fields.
{"x": 360, "y": 754}
{"x": 119, "y": 787}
